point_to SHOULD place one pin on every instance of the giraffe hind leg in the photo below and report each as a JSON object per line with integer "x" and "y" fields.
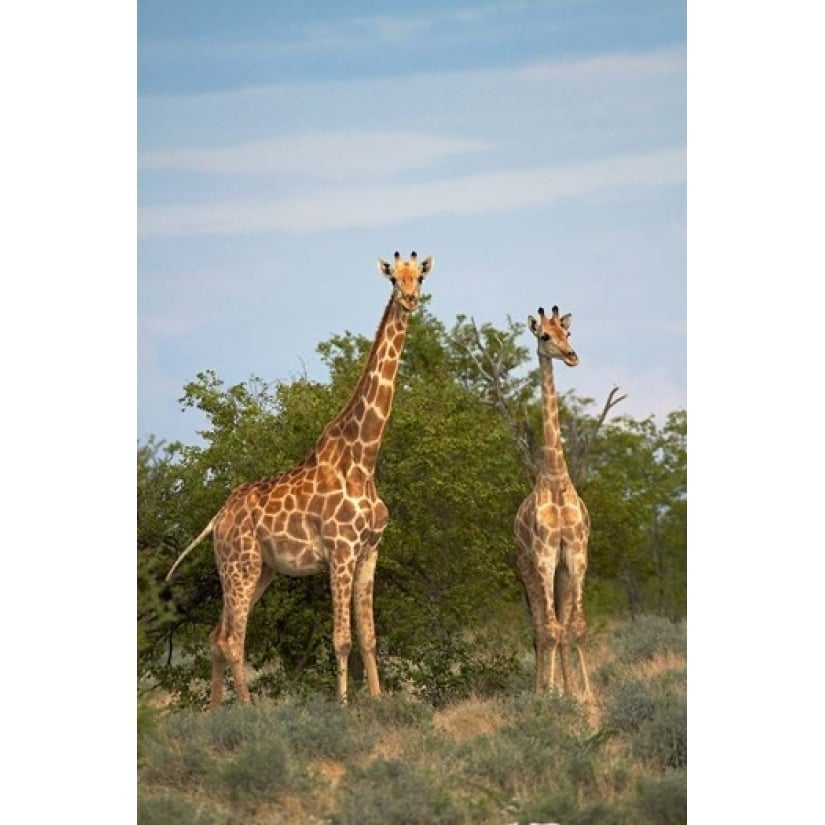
{"x": 570, "y": 596}
{"x": 579, "y": 633}
{"x": 229, "y": 637}
{"x": 218, "y": 666}
{"x": 563, "y": 597}
{"x": 228, "y": 651}
{"x": 531, "y": 584}
{"x": 365, "y": 623}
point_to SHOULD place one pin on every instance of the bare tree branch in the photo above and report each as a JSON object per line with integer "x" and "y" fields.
{"x": 580, "y": 469}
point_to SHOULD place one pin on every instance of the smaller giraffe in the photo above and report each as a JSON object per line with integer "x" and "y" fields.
{"x": 552, "y": 527}
{"x": 324, "y": 513}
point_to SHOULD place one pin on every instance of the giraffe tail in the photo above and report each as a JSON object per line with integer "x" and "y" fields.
{"x": 205, "y": 532}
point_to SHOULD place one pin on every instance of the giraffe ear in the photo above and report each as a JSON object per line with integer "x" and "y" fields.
{"x": 427, "y": 265}
{"x": 532, "y": 324}
{"x": 384, "y": 268}
{"x": 565, "y": 321}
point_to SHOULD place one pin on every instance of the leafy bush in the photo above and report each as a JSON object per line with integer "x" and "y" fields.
{"x": 540, "y": 747}
{"x": 234, "y": 725}
{"x": 173, "y": 753}
{"x": 453, "y": 668}
{"x": 655, "y": 716}
{"x": 552, "y": 806}
{"x": 663, "y": 739}
{"x": 390, "y": 792}
{"x": 648, "y": 636}
{"x": 171, "y": 808}
{"x": 261, "y": 770}
{"x": 630, "y": 704}
{"x": 395, "y": 710}
{"x": 511, "y": 756}
{"x": 662, "y": 800}
{"x": 319, "y": 727}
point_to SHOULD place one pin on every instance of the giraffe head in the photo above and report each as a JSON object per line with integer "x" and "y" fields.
{"x": 406, "y": 278}
{"x": 552, "y": 334}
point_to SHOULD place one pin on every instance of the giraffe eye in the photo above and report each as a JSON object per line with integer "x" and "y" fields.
{"x": 420, "y": 279}
{"x": 393, "y": 280}
{"x": 545, "y": 337}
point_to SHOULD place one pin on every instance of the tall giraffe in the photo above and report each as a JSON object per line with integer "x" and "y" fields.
{"x": 552, "y": 527}
{"x": 322, "y": 513}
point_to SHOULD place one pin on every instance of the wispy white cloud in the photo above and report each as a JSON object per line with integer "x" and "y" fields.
{"x": 476, "y": 86}
{"x": 357, "y": 33}
{"x": 329, "y": 156}
{"x": 625, "y": 65}
{"x": 336, "y": 206}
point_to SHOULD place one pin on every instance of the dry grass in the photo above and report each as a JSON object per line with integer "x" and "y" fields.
{"x": 392, "y": 745}
{"x": 483, "y": 760}
{"x": 469, "y": 718}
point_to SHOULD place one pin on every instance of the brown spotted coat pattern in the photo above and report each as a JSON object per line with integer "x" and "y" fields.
{"x": 552, "y": 528}
{"x": 323, "y": 513}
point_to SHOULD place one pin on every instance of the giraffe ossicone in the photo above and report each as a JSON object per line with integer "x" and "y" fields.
{"x": 322, "y": 513}
{"x": 552, "y": 528}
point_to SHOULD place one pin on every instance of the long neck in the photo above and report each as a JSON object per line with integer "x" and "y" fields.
{"x": 360, "y": 425}
{"x": 553, "y": 463}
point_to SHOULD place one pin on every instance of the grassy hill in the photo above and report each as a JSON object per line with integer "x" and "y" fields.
{"x": 495, "y": 756}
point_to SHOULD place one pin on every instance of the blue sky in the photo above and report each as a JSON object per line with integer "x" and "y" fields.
{"x": 536, "y": 149}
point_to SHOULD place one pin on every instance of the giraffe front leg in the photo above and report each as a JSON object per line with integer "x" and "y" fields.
{"x": 364, "y": 580}
{"x": 550, "y": 682}
{"x": 553, "y": 634}
{"x": 552, "y": 631}
{"x": 578, "y": 627}
{"x": 563, "y": 596}
{"x": 539, "y": 650}
{"x": 342, "y": 569}
{"x": 535, "y": 603}
{"x": 549, "y": 635}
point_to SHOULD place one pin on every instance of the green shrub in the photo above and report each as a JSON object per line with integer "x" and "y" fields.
{"x": 497, "y": 764}
{"x": 147, "y": 726}
{"x": 230, "y": 727}
{"x": 453, "y": 668}
{"x": 183, "y": 726}
{"x": 390, "y": 792}
{"x": 662, "y": 800}
{"x": 630, "y": 704}
{"x": 540, "y": 748}
{"x": 394, "y": 710}
{"x": 566, "y": 808}
{"x": 166, "y": 809}
{"x": 662, "y": 740}
{"x": 386, "y": 760}
{"x": 147, "y": 719}
{"x": 319, "y": 727}
{"x": 167, "y": 763}
{"x": 646, "y": 637}
{"x": 261, "y": 770}
{"x": 655, "y": 716}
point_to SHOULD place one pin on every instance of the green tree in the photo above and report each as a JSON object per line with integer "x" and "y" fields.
{"x": 632, "y": 475}
{"x": 459, "y": 454}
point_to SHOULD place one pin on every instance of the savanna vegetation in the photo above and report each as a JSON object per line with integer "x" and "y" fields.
{"x": 498, "y": 755}
{"x": 459, "y": 455}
